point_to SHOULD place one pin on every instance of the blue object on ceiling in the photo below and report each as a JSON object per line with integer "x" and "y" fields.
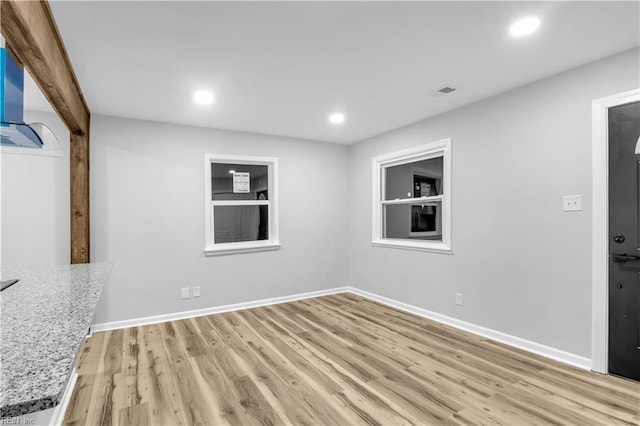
{"x": 13, "y": 130}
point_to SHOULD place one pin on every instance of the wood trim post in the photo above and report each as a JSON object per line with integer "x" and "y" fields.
{"x": 29, "y": 28}
{"x": 79, "y": 186}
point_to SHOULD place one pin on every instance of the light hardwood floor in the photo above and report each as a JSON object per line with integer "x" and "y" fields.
{"x": 335, "y": 360}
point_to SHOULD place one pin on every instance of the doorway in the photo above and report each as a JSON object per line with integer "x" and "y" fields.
{"x": 601, "y": 239}
{"x": 624, "y": 240}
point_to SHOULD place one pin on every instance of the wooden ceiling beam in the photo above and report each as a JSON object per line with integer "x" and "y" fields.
{"x": 30, "y": 31}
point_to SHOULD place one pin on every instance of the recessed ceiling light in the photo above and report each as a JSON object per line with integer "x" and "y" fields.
{"x": 232, "y": 171}
{"x": 336, "y": 118}
{"x": 524, "y": 27}
{"x": 203, "y": 97}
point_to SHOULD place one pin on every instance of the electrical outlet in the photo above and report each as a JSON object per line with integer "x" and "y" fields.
{"x": 185, "y": 292}
{"x": 196, "y": 291}
{"x": 572, "y": 203}
{"x": 459, "y": 299}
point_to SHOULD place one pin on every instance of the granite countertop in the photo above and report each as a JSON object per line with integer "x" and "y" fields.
{"x": 44, "y": 320}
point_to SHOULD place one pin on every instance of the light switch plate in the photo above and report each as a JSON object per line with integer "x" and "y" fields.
{"x": 185, "y": 292}
{"x": 459, "y": 299}
{"x": 572, "y": 203}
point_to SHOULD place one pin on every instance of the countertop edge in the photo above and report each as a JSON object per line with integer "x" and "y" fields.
{"x": 51, "y": 401}
{"x": 32, "y": 406}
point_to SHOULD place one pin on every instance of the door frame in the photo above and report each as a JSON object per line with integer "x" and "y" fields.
{"x": 600, "y": 256}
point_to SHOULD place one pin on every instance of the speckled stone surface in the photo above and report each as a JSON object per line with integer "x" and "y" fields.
{"x": 45, "y": 318}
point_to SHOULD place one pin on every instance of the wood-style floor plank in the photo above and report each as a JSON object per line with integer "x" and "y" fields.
{"x": 333, "y": 360}
{"x": 90, "y": 353}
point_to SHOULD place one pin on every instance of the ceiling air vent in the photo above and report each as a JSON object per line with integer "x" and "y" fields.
{"x": 444, "y": 90}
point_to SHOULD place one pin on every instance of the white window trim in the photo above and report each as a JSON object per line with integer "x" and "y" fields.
{"x": 273, "y": 243}
{"x": 417, "y": 153}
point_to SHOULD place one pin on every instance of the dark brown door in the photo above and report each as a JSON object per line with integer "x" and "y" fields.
{"x": 624, "y": 241}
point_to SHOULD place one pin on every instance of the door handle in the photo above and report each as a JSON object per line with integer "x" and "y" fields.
{"x": 624, "y": 257}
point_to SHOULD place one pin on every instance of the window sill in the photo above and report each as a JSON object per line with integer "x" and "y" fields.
{"x": 417, "y": 246}
{"x": 237, "y": 248}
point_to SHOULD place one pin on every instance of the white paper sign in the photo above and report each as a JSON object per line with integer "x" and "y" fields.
{"x": 241, "y": 183}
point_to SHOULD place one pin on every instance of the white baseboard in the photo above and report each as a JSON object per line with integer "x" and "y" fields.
{"x": 61, "y": 408}
{"x": 527, "y": 345}
{"x": 214, "y": 310}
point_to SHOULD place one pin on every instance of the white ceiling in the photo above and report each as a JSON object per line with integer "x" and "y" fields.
{"x": 281, "y": 67}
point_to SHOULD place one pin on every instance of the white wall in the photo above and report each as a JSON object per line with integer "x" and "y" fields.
{"x": 147, "y": 217}
{"x": 522, "y": 264}
{"x": 35, "y": 203}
